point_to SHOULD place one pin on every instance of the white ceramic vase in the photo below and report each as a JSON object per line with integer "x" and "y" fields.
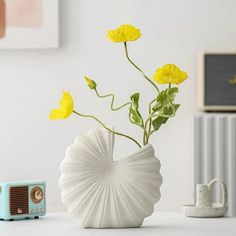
{"x": 103, "y": 193}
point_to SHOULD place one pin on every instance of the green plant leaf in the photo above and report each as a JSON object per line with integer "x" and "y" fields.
{"x": 160, "y": 120}
{"x": 134, "y": 114}
{"x": 172, "y": 93}
{"x": 164, "y": 97}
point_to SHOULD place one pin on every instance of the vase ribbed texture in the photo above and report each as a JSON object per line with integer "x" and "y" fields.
{"x": 103, "y": 193}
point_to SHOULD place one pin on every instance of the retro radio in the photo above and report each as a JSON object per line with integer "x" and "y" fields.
{"x": 217, "y": 90}
{"x": 22, "y": 200}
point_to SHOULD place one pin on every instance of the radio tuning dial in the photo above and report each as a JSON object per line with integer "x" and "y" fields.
{"x": 19, "y": 210}
{"x": 36, "y": 195}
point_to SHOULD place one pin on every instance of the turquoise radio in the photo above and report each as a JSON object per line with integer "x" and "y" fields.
{"x": 22, "y": 200}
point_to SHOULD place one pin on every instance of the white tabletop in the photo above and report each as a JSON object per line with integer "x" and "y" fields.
{"x": 159, "y": 224}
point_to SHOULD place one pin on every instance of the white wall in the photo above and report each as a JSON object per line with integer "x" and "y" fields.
{"x": 31, "y": 81}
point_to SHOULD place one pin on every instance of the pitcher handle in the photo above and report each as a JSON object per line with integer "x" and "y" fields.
{"x": 223, "y": 188}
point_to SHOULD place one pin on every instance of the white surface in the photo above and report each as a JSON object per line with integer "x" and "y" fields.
{"x": 103, "y": 192}
{"x": 161, "y": 224}
{"x": 31, "y": 82}
{"x": 46, "y": 36}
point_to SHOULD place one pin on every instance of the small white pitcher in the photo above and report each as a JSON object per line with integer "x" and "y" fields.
{"x": 204, "y": 195}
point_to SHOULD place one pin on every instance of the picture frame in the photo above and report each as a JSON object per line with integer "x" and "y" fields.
{"x": 29, "y": 24}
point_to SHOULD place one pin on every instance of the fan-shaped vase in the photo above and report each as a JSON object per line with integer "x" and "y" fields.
{"x": 103, "y": 193}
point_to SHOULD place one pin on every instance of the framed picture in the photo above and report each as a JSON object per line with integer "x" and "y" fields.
{"x": 29, "y": 24}
{"x": 217, "y": 90}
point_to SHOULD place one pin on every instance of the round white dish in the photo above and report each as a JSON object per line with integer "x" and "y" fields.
{"x": 217, "y": 210}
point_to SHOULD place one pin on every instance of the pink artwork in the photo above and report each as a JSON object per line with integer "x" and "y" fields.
{"x": 29, "y": 23}
{"x": 24, "y": 13}
{"x": 2, "y": 18}
{"x": 20, "y": 13}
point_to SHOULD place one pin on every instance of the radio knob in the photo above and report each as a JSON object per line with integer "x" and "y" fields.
{"x": 19, "y": 210}
{"x": 36, "y": 195}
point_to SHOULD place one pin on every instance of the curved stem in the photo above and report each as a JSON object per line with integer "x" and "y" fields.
{"x": 147, "y": 125}
{"x": 107, "y": 128}
{"x": 149, "y": 134}
{"x": 146, "y": 132}
{"x": 112, "y": 100}
{"x": 150, "y": 112}
{"x": 149, "y": 120}
{"x": 144, "y": 75}
{"x": 144, "y": 137}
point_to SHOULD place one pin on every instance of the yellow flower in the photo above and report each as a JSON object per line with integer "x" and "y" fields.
{"x": 124, "y": 33}
{"x": 170, "y": 74}
{"x": 90, "y": 82}
{"x": 65, "y": 108}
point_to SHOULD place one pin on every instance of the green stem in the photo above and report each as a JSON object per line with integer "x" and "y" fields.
{"x": 146, "y": 132}
{"x": 107, "y": 128}
{"x": 145, "y": 129}
{"x": 138, "y": 68}
{"x": 149, "y": 134}
{"x": 149, "y": 120}
{"x": 112, "y": 100}
{"x": 144, "y": 136}
{"x": 171, "y": 104}
{"x": 150, "y": 112}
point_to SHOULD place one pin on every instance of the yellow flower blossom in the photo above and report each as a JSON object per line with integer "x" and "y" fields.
{"x": 124, "y": 33}
{"x": 65, "y": 109}
{"x": 170, "y": 74}
{"x": 90, "y": 82}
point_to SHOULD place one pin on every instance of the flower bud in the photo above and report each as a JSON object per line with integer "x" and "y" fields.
{"x": 90, "y": 83}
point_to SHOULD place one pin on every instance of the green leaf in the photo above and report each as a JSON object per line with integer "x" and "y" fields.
{"x": 134, "y": 114}
{"x": 164, "y": 97}
{"x": 172, "y": 93}
{"x": 160, "y": 120}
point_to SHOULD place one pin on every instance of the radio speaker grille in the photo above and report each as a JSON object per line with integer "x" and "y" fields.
{"x": 19, "y": 200}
